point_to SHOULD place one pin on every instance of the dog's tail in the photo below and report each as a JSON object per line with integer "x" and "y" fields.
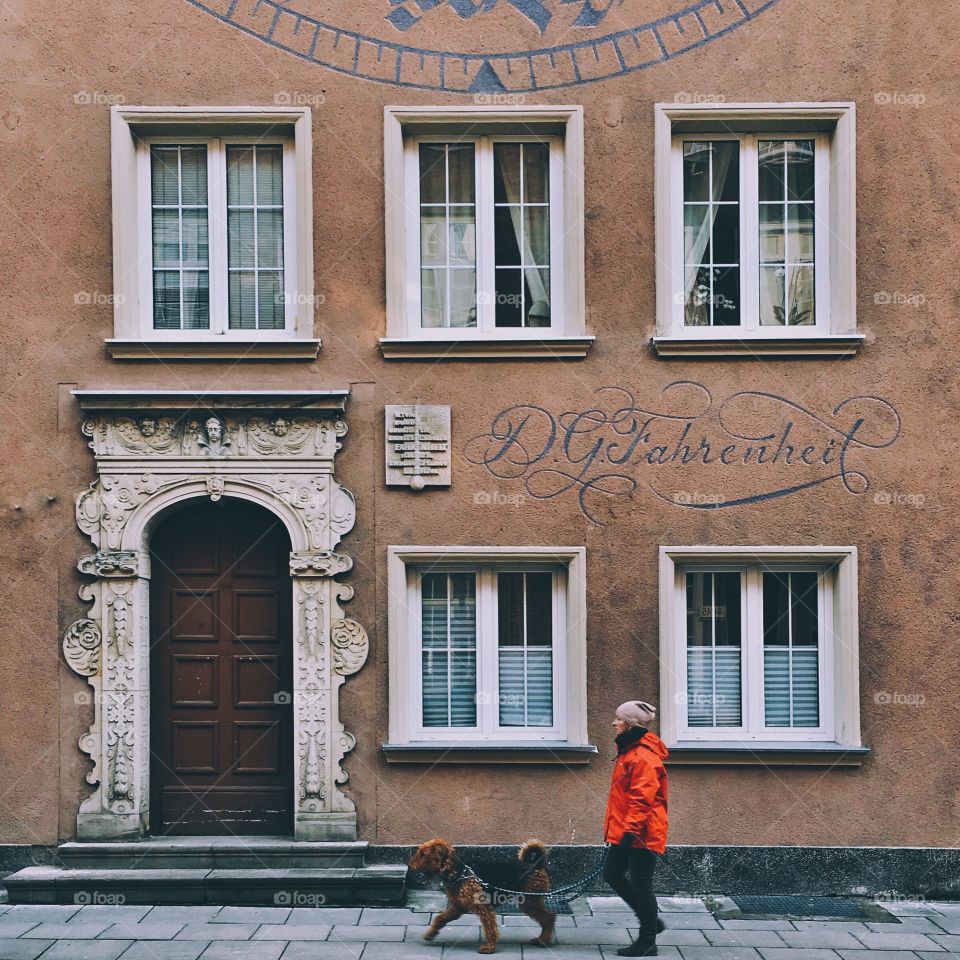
{"x": 533, "y": 854}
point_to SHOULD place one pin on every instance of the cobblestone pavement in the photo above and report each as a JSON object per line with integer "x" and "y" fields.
{"x": 598, "y": 927}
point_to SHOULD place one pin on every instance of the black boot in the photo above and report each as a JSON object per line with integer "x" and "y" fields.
{"x": 661, "y": 926}
{"x": 643, "y": 946}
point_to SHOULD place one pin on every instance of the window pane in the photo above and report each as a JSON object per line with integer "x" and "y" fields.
{"x": 800, "y": 170}
{"x": 536, "y": 172}
{"x": 448, "y": 240}
{"x": 525, "y": 658}
{"x": 713, "y": 649}
{"x": 255, "y": 237}
{"x": 711, "y": 219}
{"x": 800, "y": 234}
{"x": 521, "y": 234}
{"x": 772, "y": 292}
{"x": 772, "y": 171}
{"x": 773, "y": 248}
{"x": 791, "y": 653}
{"x": 449, "y": 654}
{"x": 181, "y": 256}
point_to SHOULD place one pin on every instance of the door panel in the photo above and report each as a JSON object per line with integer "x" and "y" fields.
{"x": 221, "y": 673}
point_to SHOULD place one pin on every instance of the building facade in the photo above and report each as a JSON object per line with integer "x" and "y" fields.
{"x": 391, "y": 391}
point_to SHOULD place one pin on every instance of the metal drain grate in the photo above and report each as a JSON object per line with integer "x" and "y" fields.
{"x": 827, "y": 908}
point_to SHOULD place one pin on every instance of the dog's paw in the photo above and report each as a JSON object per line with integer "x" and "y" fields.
{"x": 539, "y": 942}
{"x": 486, "y": 949}
{"x": 429, "y": 934}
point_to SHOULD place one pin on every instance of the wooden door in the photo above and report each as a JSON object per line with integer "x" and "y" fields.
{"x": 221, "y": 673}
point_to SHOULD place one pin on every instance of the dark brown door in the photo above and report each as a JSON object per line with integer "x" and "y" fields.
{"x": 221, "y": 674}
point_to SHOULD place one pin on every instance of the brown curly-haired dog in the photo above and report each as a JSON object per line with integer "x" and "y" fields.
{"x": 467, "y": 894}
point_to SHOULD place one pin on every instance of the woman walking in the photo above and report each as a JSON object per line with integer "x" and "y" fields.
{"x": 636, "y": 821}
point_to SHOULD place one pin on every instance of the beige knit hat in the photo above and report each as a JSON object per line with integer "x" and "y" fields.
{"x": 638, "y": 713}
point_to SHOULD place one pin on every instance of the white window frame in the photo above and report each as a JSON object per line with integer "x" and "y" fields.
{"x": 405, "y": 566}
{"x": 832, "y": 126}
{"x": 838, "y": 660}
{"x": 404, "y": 129}
{"x": 484, "y": 208}
{"x": 134, "y": 131}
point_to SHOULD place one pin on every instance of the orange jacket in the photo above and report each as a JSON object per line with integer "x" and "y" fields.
{"x": 638, "y": 795}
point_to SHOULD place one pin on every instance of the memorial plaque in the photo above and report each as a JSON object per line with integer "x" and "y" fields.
{"x": 418, "y": 446}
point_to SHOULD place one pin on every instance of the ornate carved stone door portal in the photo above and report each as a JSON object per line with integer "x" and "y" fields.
{"x": 156, "y": 449}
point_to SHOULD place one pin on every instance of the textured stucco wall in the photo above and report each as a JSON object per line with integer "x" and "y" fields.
{"x": 56, "y": 240}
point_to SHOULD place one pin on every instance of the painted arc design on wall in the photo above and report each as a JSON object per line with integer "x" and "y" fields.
{"x": 551, "y": 43}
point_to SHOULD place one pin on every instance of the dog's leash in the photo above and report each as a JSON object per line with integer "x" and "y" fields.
{"x": 559, "y": 895}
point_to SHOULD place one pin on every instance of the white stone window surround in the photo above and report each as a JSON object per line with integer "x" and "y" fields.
{"x": 834, "y": 126}
{"x": 132, "y": 130}
{"x": 407, "y": 743}
{"x": 838, "y": 742}
{"x": 567, "y": 337}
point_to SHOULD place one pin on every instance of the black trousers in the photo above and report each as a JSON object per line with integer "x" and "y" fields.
{"x": 638, "y": 890}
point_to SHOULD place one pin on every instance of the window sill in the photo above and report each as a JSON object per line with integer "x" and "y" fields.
{"x": 440, "y": 348}
{"x": 214, "y": 348}
{"x": 837, "y": 346}
{"x": 522, "y": 752}
{"x": 741, "y": 753}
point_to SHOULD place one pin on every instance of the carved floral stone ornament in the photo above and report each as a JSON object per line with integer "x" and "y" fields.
{"x": 491, "y": 47}
{"x": 153, "y": 451}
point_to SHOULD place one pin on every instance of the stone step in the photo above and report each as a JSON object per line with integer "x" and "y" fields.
{"x": 291, "y": 887}
{"x": 213, "y": 853}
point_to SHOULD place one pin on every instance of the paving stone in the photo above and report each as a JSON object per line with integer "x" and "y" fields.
{"x": 86, "y": 950}
{"x": 691, "y": 921}
{"x": 148, "y": 930}
{"x": 217, "y": 931}
{"x": 11, "y": 929}
{"x": 801, "y": 953}
{"x": 22, "y": 949}
{"x": 388, "y": 916}
{"x": 325, "y": 951}
{"x": 401, "y": 951}
{"x": 252, "y": 915}
{"x": 897, "y": 941}
{"x": 682, "y": 938}
{"x": 848, "y": 926}
{"x": 831, "y": 939}
{"x": 611, "y": 918}
{"x": 743, "y": 938}
{"x": 41, "y": 912}
{"x": 610, "y": 953}
{"x": 907, "y": 925}
{"x": 113, "y": 913}
{"x": 328, "y": 915}
{"x": 466, "y": 951}
{"x": 449, "y": 934}
{"x": 74, "y": 931}
{"x": 884, "y": 955}
{"x": 512, "y": 920}
{"x": 467, "y": 920}
{"x": 756, "y": 925}
{"x": 378, "y": 932}
{"x": 4, "y": 907}
{"x": 948, "y": 923}
{"x": 294, "y": 931}
{"x": 243, "y": 951}
{"x": 597, "y": 935}
{"x": 185, "y": 914}
{"x": 719, "y": 953}
{"x": 165, "y": 950}
{"x": 601, "y": 904}
{"x": 947, "y": 941}
{"x": 907, "y": 907}
{"x": 681, "y": 905}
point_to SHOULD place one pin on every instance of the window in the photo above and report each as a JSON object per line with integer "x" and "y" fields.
{"x": 483, "y": 257}
{"x": 487, "y": 646}
{"x": 219, "y": 203}
{"x": 756, "y": 231}
{"x": 212, "y": 233}
{"x": 758, "y": 645}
